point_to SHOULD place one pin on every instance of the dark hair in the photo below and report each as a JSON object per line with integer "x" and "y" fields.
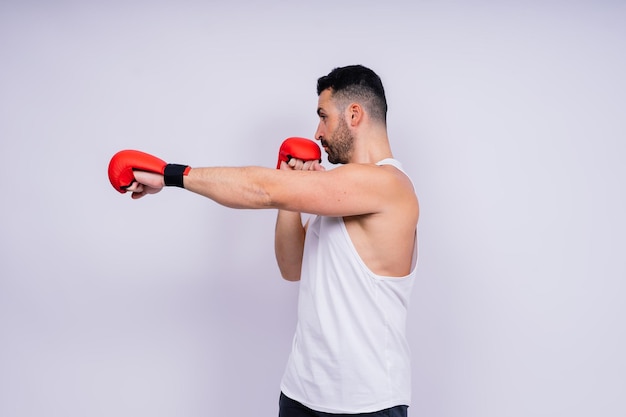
{"x": 356, "y": 83}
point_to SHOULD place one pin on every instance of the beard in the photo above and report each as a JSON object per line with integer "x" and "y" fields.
{"x": 340, "y": 150}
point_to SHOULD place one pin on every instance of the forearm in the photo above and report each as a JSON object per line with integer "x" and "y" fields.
{"x": 243, "y": 187}
{"x": 289, "y": 244}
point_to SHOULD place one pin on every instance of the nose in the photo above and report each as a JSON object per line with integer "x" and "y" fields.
{"x": 319, "y": 133}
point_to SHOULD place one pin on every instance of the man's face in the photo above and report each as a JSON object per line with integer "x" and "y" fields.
{"x": 333, "y": 131}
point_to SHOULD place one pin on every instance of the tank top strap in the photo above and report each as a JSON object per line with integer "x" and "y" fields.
{"x": 391, "y": 161}
{"x": 397, "y": 164}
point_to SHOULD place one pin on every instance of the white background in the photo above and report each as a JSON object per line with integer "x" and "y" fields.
{"x": 509, "y": 116}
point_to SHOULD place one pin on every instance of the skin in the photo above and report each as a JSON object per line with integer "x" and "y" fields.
{"x": 378, "y": 203}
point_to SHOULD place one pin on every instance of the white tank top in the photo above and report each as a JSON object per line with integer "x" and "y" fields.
{"x": 349, "y": 353}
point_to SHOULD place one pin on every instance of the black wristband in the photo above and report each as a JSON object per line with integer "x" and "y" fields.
{"x": 173, "y": 175}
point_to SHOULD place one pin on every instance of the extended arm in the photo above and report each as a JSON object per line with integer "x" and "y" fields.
{"x": 348, "y": 190}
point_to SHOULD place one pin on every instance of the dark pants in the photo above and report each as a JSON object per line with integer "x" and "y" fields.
{"x": 291, "y": 408}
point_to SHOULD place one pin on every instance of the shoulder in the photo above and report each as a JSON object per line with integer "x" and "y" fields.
{"x": 379, "y": 179}
{"x": 387, "y": 183}
{"x": 387, "y": 178}
{"x": 368, "y": 172}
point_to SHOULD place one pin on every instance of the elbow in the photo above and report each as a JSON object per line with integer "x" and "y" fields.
{"x": 291, "y": 278}
{"x": 256, "y": 193}
{"x": 289, "y": 274}
{"x": 261, "y": 198}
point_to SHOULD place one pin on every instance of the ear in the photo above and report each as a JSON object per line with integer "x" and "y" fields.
{"x": 355, "y": 114}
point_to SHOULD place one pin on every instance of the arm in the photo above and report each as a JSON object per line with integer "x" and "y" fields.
{"x": 290, "y": 233}
{"x": 349, "y": 190}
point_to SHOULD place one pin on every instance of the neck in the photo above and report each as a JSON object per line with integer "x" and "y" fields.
{"x": 371, "y": 146}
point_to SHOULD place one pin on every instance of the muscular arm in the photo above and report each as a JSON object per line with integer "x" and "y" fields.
{"x": 349, "y": 190}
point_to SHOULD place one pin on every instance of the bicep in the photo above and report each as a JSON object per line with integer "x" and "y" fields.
{"x": 344, "y": 191}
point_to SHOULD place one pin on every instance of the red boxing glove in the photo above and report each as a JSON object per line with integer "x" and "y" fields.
{"x": 125, "y": 162}
{"x": 299, "y": 148}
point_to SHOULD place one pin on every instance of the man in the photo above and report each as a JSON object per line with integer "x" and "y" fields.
{"x": 355, "y": 259}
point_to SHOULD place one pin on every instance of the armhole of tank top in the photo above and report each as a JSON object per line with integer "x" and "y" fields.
{"x": 366, "y": 268}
